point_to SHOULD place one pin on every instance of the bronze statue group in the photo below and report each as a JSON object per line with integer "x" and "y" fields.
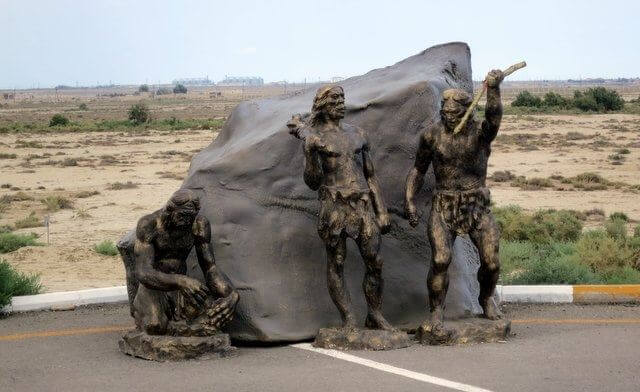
{"x": 339, "y": 167}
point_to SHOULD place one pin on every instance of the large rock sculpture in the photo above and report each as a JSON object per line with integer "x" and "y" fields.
{"x": 263, "y": 216}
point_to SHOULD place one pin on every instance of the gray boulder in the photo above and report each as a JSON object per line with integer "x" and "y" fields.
{"x": 264, "y": 217}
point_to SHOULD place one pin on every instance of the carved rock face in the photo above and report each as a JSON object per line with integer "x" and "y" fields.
{"x": 263, "y": 216}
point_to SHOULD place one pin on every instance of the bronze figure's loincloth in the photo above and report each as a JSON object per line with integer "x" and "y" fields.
{"x": 462, "y": 211}
{"x": 348, "y": 211}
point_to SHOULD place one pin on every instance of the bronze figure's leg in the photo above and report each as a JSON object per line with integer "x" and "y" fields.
{"x": 336, "y": 253}
{"x": 441, "y": 240}
{"x": 487, "y": 239}
{"x": 150, "y": 311}
{"x": 369, "y": 245}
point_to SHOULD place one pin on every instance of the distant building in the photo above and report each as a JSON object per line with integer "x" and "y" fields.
{"x": 241, "y": 81}
{"x": 336, "y": 79}
{"x": 194, "y": 81}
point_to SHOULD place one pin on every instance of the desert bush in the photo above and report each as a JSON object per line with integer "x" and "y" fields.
{"x": 116, "y": 186}
{"x": 531, "y": 184}
{"x": 14, "y": 283}
{"x": 624, "y": 275}
{"x": 6, "y": 155}
{"x": 85, "y": 194}
{"x": 589, "y": 181}
{"x": 544, "y": 226}
{"x": 598, "y": 99}
{"x": 526, "y": 99}
{"x": 602, "y": 253}
{"x": 555, "y": 100}
{"x": 83, "y": 106}
{"x": 58, "y": 120}
{"x": 619, "y": 215}
{"x": 617, "y": 229}
{"x": 144, "y": 88}
{"x": 107, "y": 248}
{"x": 139, "y": 113}
{"x": 28, "y": 222}
{"x": 12, "y": 241}
{"x": 636, "y": 232}
{"x": 163, "y": 91}
{"x": 179, "y": 89}
{"x": 502, "y": 176}
{"x": 55, "y": 203}
{"x": 529, "y": 263}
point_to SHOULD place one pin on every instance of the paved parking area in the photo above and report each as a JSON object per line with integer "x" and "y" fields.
{"x": 556, "y": 348}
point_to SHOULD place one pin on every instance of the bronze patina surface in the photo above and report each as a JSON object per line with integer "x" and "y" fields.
{"x": 338, "y": 165}
{"x": 168, "y": 304}
{"x": 460, "y": 203}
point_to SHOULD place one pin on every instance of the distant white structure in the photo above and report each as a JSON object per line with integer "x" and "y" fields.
{"x": 241, "y": 81}
{"x": 194, "y": 81}
{"x": 336, "y": 79}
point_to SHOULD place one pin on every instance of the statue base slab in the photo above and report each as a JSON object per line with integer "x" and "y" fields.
{"x": 465, "y": 330}
{"x": 361, "y": 339}
{"x": 175, "y": 348}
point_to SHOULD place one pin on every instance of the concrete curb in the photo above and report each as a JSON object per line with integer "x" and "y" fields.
{"x": 583, "y": 294}
{"x": 67, "y": 299}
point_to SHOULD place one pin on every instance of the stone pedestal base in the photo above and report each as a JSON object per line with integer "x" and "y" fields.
{"x": 175, "y": 348}
{"x": 361, "y": 339}
{"x": 466, "y": 330}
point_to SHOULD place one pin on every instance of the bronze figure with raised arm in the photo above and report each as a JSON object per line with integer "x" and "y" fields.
{"x": 460, "y": 203}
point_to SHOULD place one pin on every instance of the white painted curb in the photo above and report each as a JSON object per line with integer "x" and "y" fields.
{"x": 516, "y": 294}
{"x": 535, "y": 294}
{"x": 67, "y": 299}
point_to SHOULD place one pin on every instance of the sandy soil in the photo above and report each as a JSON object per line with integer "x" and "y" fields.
{"x": 156, "y": 161}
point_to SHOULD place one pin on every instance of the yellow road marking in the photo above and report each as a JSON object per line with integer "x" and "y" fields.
{"x": 65, "y": 332}
{"x": 118, "y": 328}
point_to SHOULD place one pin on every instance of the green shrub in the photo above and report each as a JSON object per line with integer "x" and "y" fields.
{"x": 11, "y": 241}
{"x": 624, "y": 275}
{"x": 636, "y": 232}
{"x": 14, "y": 283}
{"x": 528, "y": 263}
{"x": 616, "y": 229}
{"x": 525, "y": 98}
{"x": 144, "y": 88}
{"x": 179, "y": 89}
{"x": 107, "y": 248}
{"x": 58, "y": 120}
{"x": 542, "y": 227}
{"x": 28, "y": 222}
{"x": 602, "y": 253}
{"x": 598, "y": 99}
{"x": 83, "y": 106}
{"x": 552, "y": 99}
{"x": 619, "y": 215}
{"x": 55, "y": 203}
{"x": 139, "y": 113}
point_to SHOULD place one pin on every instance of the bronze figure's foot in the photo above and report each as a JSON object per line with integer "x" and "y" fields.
{"x": 491, "y": 310}
{"x": 349, "y": 323}
{"x": 376, "y": 320}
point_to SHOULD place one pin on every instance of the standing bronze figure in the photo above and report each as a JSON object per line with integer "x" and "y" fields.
{"x": 338, "y": 165}
{"x": 460, "y": 203}
{"x": 168, "y": 303}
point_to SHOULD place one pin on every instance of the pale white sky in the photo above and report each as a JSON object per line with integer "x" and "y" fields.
{"x": 49, "y": 42}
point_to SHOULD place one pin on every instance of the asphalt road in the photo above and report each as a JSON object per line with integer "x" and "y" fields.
{"x": 556, "y": 348}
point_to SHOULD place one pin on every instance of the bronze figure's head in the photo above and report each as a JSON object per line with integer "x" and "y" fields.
{"x": 328, "y": 104}
{"x": 454, "y": 104}
{"x": 182, "y": 208}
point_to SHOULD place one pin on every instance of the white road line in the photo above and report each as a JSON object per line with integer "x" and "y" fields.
{"x": 392, "y": 369}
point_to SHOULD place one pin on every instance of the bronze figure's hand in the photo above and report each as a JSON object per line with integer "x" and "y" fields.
{"x": 412, "y": 214}
{"x": 222, "y": 310}
{"x": 194, "y": 289}
{"x": 384, "y": 223}
{"x": 494, "y": 78}
{"x": 295, "y": 125}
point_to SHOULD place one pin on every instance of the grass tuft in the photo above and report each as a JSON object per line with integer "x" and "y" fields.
{"x": 14, "y": 283}
{"x": 107, "y": 248}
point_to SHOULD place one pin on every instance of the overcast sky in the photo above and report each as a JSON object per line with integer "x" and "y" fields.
{"x": 50, "y": 42}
